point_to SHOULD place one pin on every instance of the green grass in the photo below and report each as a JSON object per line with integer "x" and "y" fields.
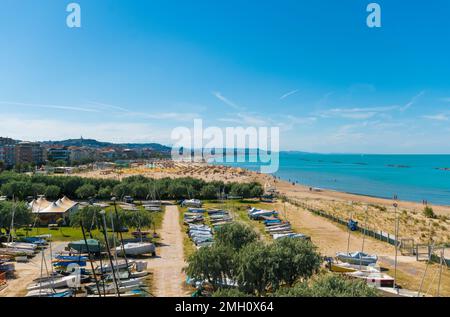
{"x": 61, "y": 234}
{"x": 188, "y": 246}
{"x": 75, "y": 233}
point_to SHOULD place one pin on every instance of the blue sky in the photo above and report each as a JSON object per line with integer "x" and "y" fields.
{"x": 137, "y": 69}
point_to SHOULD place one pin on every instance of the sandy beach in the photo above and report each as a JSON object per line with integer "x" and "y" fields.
{"x": 380, "y": 212}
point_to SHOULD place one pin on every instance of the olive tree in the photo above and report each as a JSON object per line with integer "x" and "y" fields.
{"x": 22, "y": 215}
{"x": 213, "y": 264}
{"x": 236, "y": 235}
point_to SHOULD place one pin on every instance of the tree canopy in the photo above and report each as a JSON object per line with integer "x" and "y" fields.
{"x": 235, "y": 235}
{"x": 21, "y": 186}
{"x": 257, "y": 267}
{"x": 22, "y": 215}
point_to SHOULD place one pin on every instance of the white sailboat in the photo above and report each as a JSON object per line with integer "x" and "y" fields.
{"x": 63, "y": 282}
{"x": 136, "y": 248}
{"x": 21, "y": 245}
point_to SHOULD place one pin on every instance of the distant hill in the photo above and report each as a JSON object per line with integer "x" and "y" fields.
{"x": 98, "y": 144}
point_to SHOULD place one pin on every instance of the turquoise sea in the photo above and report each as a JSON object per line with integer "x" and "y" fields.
{"x": 410, "y": 177}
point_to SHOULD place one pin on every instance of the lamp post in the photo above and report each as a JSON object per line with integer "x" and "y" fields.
{"x": 395, "y": 241}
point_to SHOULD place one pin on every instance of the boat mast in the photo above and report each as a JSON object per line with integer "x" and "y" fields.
{"x": 95, "y": 221}
{"x": 348, "y": 226}
{"x": 364, "y": 235}
{"x": 109, "y": 253}
{"x": 90, "y": 259}
{"x": 114, "y": 239}
{"x": 120, "y": 234}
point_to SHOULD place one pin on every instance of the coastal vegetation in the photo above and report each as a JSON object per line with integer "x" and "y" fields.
{"x": 90, "y": 217}
{"x": 21, "y": 186}
{"x": 429, "y": 213}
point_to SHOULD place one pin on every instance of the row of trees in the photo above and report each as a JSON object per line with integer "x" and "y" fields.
{"x": 90, "y": 216}
{"x": 285, "y": 267}
{"x": 22, "y": 186}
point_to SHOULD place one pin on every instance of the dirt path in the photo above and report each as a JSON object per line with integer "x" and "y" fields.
{"x": 331, "y": 238}
{"x": 27, "y": 272}
{"x": 168, "y": 276}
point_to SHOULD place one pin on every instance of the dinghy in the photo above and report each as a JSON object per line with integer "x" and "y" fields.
{"x": 357, "y": 258}
{"x": 16, "y": 252}
{"x": 374, "y": 278}
{"x": 291, "y": 235}
{"x": 21, "y": 246}
{"x": 192, "y": 203}
{"x": 47, "y": 292}
{"x": 63, "y": 282}
{"x": 51, "y": 277}
{"x": 35, "y": 240}
{"x": 126, "y": 275}
{"x": 121, "y": 265}
{"x": 80, "y": 246}
{"x": 256, "y": 214}
{"x": 196, "y": 210}
{"x": 280, "y": 230}
{"x": 111, "y": 289}
{"x": 137, "y": 248}
{"x": 132, "y": 293}
{"x": 343, "y": 267}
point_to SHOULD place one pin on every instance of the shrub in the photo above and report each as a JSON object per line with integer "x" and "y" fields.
{"x": 235, "y": 235}
{"x": 229, "y": 292}
{"x": 429, "y": 213}
{"x": 329, "y": 285}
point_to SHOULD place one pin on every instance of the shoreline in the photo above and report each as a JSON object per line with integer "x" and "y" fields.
{"x": 362, "y": 198}
{"x": 215, "y": 172}
{"x": 342, "y": 194}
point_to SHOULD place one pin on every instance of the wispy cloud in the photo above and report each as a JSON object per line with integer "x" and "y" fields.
{"x": 355, "y": 113}
{"x": 284, "y": 122}
{"x": 247, "y": 119}
{"x": 412, "y": 101}
{"x": 171, "y": 116}
{"x": 35, "y": 129}
{"x": 227, "y": 101}
{"x": 437, "y": 117}
{"x": 290, "y": 93}
{"x": 176, "y": 116}
{"x": 48, "y": 106}
{"x": 108, "y": 106}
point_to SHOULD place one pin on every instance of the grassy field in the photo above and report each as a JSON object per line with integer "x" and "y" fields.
{"x": 75, "y": 233}
{"x": 188, "y": 246}
{"x": 238, "y": 209}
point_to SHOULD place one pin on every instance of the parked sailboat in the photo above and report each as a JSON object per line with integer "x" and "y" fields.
{"x": 360, "y": 258}
{"x": 72, "y": 280}
{"x": 137, "y": 248}
{"x": 21, "y": 246}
